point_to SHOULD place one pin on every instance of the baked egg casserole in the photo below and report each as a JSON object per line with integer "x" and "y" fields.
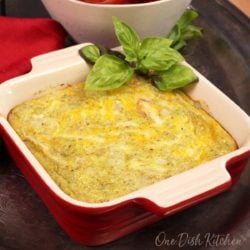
{"x": 98, "y": 146}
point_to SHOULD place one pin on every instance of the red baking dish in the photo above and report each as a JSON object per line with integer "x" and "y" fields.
{"x": 99, "y": 223}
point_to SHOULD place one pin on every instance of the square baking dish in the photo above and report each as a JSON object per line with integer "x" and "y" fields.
{"x": 99, "y": 223}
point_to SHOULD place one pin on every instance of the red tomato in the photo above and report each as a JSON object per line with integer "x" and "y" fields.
{"x": 117, "y": 1}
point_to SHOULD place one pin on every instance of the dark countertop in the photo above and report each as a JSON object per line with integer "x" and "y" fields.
{"x": 223, "y": 56}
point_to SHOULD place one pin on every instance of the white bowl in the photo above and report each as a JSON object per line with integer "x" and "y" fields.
{"x": 93, "y": 22}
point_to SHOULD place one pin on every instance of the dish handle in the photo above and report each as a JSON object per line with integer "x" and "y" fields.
{"x": 188, "y": 188}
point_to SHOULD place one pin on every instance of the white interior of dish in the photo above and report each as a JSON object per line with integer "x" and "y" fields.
{"x": 67, "y": 67}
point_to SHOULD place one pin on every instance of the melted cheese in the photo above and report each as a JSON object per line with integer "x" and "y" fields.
{"x": 98, "y": 146}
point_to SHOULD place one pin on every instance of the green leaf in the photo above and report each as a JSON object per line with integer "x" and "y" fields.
{"x": 187, "y": 18}
{"x": 90, "y": 53}
{"x": 184, "y": 30}
{"x": 109, "y": 72}
{"x": 177, "y": 76}
{"x": 179, "y": 44}
{"x": 191, "y": 32}
{"x": 116, "y": 53}
{"x": 175, "y": 34}
{"x": 128, "y": 38}
{"x": 155, "y": 54}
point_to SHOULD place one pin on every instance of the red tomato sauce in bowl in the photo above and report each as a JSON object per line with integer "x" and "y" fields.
{"x": 117, "y": 1}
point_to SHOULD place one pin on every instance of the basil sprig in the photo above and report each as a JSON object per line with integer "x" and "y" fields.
{"x": 184, "y": 30}
{"x": 155, "y": 57}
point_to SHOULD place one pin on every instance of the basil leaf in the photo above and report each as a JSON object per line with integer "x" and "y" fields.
{"x": 155, "y": 54}
{"x": 184, "y": 30}
{"x": 179, "y": 44}
{"x": 128, "y": 38}
{"x": 177, "y": 76}
{"x": 116, "y": 53}
{"x": 90, "y": 53}
{"x": 174, "y": 35}
{"x": 187, "y": 18}
{"x": 109, "y": 72}
{"x": 191, "y": 32}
